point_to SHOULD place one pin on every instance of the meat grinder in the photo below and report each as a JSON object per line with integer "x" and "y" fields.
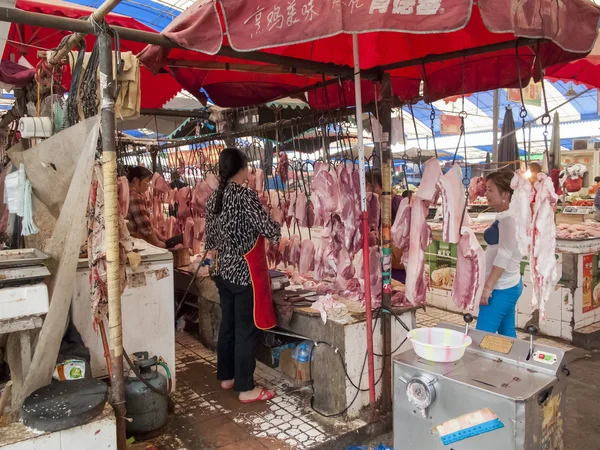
{"x": 503, "y": 394}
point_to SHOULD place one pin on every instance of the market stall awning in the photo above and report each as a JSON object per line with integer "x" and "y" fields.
{"x": 24, "y": 40}
{"x": 390, "y": 32}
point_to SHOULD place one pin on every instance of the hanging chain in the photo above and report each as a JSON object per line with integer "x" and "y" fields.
{"x": 523, "y": 111}
{"x": 419, "y": 156}
{"x": 546, "y": 117}
{"x": 404, "y": 156}
{"x": 432, "y": 115}
{"x": 432, "y": 118}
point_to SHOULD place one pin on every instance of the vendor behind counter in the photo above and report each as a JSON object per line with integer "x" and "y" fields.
{"x": 139, "y": 220}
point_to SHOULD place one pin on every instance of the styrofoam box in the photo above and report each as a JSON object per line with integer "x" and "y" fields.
{"x": 23, "y": 301}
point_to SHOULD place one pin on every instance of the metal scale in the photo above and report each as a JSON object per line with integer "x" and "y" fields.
{"x": 504, "y": 394}
{"x": 23, "y": 292}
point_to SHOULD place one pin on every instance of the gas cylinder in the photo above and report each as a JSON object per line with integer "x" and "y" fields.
{"x": 147, "y": 409}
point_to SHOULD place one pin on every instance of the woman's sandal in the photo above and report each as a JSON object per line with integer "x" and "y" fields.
{"x": 264, "y": 395}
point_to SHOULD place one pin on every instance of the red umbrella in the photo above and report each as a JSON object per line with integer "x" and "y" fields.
{"x": 390, "y": 31}
{"x": 24, "y": 40}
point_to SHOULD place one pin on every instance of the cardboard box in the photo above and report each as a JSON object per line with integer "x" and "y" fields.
{"x": 297, "y": 372}
{"x": 271, "y": 355}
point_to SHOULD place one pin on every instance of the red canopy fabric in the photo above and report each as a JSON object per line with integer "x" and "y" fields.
{"x": 26, "y": 40}
{"x": 586, "y": 70}
{"x": 389, "y": 31}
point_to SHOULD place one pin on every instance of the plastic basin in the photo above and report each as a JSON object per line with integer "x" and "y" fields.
{"x": 439, "y": 344}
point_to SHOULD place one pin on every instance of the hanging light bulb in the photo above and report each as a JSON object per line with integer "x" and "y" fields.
{"x": 571, "y": 91}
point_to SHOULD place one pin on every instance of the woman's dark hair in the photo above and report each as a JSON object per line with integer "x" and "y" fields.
{"x": 373, "y": 176}
{"x": 138, "y": 172}
{"x": 597, "y": 179}
{"x": 231, "y": 161}
{"x": 502, "y": 180}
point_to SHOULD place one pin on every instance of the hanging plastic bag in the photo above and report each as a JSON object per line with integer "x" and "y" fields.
{"x": 17, "y": 195}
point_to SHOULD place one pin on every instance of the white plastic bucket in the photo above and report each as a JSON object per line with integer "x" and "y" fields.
{"x": 439, "y": 344}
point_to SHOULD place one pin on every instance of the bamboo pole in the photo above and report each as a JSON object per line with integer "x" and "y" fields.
{"x": 385, "y": 119}
{"x": 238, "y": 67}
{"x": 73, "y": 40}
{"x": 109, "y": 169}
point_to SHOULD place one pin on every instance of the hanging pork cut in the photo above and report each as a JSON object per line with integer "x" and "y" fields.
{"x": 477, "y": 188}
{"x": 307, "y": 257}
{"x": 325, "y": 187}
{"x": 470, "y": 271}
{"x": 420, "y": 233}
{"x": 251, "y": 178}
{"x": 374, "y": 211}
{"x": 542, "y": 257}
{"x": 159, "y": 184}
{"x": 401, "y": 228}
{"x": 188, "y": 233}
{"x": 453, "y": 203}
{"x": 520, "y": 207}
{"x": 122, "y": 195}
{"x": 283, "y": 167}
{"x": 260, "y": 181}
{"x": 349, "y": 206}
{"x": 293, "y": 258}
{"x": 300, "y": 209}
{"x": 183, "y": 198}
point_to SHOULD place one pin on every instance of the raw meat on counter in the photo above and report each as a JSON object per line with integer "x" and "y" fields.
{"x": 543, "y": 244}
{"x": 470, "y": 271}
{"x": 586, "y": 230}
{"x": 477, "y": 188}
{"x": 453, "y": 203}
{"x": 520, "y": 207}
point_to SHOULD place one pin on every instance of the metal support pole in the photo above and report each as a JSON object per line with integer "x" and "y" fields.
{"x": 365, "y": 219}
{"x": 385, "y": 119}
{"x": 496, "y": 119}
{"x": 109, "y": 169}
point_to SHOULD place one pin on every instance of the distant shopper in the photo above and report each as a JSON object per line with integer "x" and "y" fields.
{"x": 139, "y": 220}
{"x": 176, "y": 181}
{"x": 595, "y": 187}
{"x": 597, "y": 204}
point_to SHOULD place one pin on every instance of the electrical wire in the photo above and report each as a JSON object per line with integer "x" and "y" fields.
{"x": 357, "y": 387}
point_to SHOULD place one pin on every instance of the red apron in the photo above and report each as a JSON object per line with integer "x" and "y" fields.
{"x": 264, "y": 312}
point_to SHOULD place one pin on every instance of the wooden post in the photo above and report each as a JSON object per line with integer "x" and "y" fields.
{"x": 109, "y": 169}
{"x": 385, "y": 118}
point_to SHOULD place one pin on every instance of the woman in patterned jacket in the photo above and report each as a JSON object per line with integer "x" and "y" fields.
{"x": 236, "y": 227}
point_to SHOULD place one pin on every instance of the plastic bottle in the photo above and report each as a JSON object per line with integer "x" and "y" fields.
{"x": 302, "y": 351}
